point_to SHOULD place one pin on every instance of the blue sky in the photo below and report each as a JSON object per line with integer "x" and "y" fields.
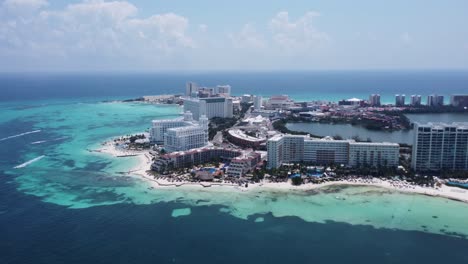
{"x": 86, "y": 35}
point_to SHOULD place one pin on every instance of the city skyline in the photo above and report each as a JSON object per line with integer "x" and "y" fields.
{"x": 41, "y": 35}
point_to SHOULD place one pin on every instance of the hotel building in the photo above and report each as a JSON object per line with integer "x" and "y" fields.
{"x": 191, "y": 89}
{"x": 459, "y": 100}
{"x": 415, "y": 100}
{"x": 210, "y": 107}
{"x": 400, "y": 100}
{"x": 258, "y": 102}
{"x": 296, "y": 148}
{"x": 374, "y": 99}
{"x": 435, "y": 100}
{"x": 239, "y": 138}
{"x": 241, "y": 162}
{"x": 373, "y": 154}
{"x": 326, "y": 151}
{"x": 439, "y": 146}
{"x": 224, "y": 89}
{"x": 279, "y": 102}
{"x": 160, "y": 127}
{"x": 181, "y": 133}
{"x": 185, "y": 138}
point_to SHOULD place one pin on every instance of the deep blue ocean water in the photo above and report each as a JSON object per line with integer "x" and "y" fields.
{"x": 34, "y": 231}
{"x": 332, "y": 85}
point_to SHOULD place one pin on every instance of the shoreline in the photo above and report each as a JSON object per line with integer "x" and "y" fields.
{"x": 144, "y": 164}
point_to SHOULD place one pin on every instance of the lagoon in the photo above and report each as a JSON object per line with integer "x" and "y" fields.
{"x": 350, "y": 131}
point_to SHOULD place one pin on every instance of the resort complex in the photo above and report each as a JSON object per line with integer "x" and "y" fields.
{"x": 241, "y": 162}
{"x": 221, "y": 137}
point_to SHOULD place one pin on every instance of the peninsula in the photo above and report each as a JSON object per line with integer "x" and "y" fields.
{"x": 242, "y": 141}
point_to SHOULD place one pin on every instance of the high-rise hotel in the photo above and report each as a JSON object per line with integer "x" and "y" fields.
{"x": 374, "y": 100}
{"x": 180, "y": 134}
{"x": 440, "y": 146}
{"x": 297, "y": 148}
{"x": 209, "y": 107}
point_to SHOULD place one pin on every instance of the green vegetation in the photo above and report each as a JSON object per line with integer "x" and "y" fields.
{"x": 244, "y": 108}
{"x": 423, "y": 109}
{"x": 135, "y": 137}
{"x": 296, "y": 181}
{"x": 258, "y": 175}
{"x": 219, "y": 124}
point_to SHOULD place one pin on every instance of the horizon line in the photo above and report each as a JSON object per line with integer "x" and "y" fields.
{"x": 172, "y": 71}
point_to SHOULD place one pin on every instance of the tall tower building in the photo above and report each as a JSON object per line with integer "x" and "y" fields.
{"x": 210, "y": 107}
{"x": 400, "y": 100}
{"x": 440, "y": 146}
{"x": 415, "y": 100}
{"x": 459, "y": 100}
{"x": 191, "y": 88}
{"x": 258, "y": 102}
{"x": 435, "y": 100}
{"x": 223, "y": 89}
{"x": 374, "y": 99}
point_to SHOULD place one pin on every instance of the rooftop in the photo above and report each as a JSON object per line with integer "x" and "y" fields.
{"x": 462, "y": 125}
{"x": 186, "y": 128}
{"x": 389, "y": 144}
{"x": 240, "y": 134}
{"x": 177, "y": 119}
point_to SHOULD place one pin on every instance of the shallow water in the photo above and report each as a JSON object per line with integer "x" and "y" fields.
{"x": 70, "y": 175}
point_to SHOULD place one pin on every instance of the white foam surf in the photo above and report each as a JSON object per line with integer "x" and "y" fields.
{"x": 28, "y": 162}
{"x": 19, "y": 135}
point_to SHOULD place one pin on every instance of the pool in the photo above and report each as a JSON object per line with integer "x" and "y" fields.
{"x": 210, "y": 170}
{"x": 458, "y": 184}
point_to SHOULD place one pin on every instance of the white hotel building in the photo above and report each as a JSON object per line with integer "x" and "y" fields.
{"x": 181, "y": 133}
{"x": 160, "y": 127}
{"x": 210, "y": 107}
{"x": 297, "y": 148}
{"x": 185, "y": 138}
{"x": 373, "y": 154}
{"x": 438, "y": 146}
{"x": 224, "y": 89}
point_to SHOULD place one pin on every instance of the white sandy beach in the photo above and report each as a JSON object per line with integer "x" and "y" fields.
{"x": 144, "y": 164}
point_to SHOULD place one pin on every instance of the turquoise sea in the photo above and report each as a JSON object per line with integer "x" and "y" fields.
{"x": 76, "y": 206}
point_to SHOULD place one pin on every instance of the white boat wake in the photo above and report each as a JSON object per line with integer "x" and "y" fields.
{"x": 38, "y": 142}
{"x": 43, "y": 141}
{"x": 28, "y": 162}
{"x": 19, "y": 135}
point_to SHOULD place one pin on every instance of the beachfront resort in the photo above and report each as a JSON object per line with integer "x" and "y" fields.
{"x": 244, "y": 141}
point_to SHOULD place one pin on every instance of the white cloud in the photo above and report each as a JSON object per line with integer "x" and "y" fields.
{"x": 248, "y": 37}
{"x": 166, "y": 31}
{"x": 93, "y": 30}
{"x": 283, "y": 37}
{"x": 406, "y": 38}
{"x": 298, "y": 35}
{"x": 20, "y": 9}
{"x": 34, "y": 4}
{"x": 202, "y": 28}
